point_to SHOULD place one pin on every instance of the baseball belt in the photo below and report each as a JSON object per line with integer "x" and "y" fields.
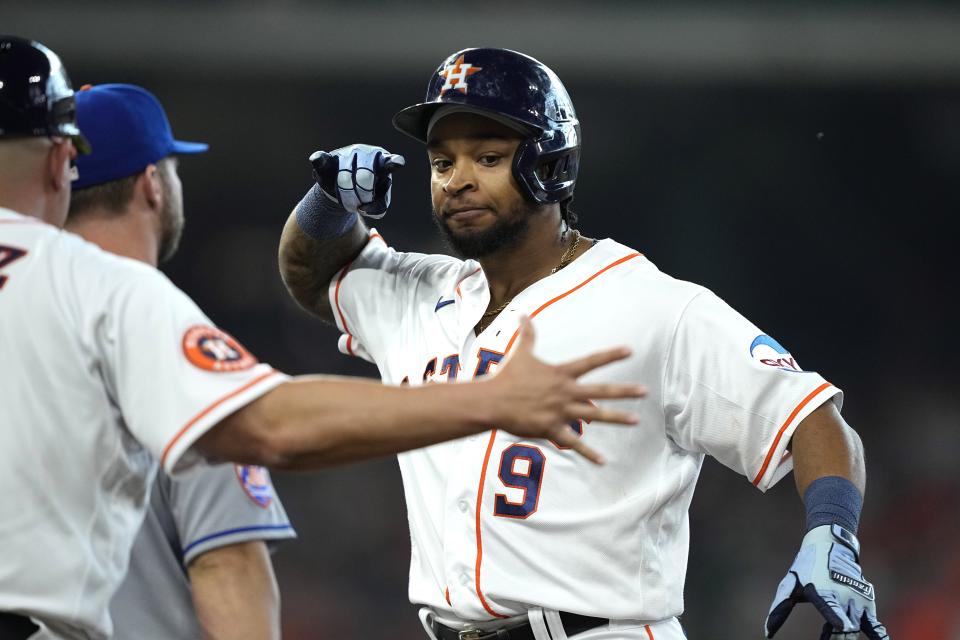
{"x": 572, "y": 623}
{"x": 16, "y": 627}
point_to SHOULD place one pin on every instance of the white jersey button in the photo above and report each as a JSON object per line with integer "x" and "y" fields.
{"x": 464, "y": 579}
{"x": 463, "y": 505}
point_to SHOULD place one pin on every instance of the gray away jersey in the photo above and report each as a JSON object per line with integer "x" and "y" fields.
{"x": 196, "y": 512}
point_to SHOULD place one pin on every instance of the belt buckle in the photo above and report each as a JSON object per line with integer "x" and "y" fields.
{"x": 471, "y": 634}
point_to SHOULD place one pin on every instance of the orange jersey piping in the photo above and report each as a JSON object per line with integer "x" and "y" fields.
{"x": 472, "y": 273}
{"x": 336, "y": 295}
{"x": 783, "y": 428}
{"x": 483, "y": 475}
{"x": 336, "y": 302}
{"x": 565, "y": 294}
{"x": 217, "y": 403}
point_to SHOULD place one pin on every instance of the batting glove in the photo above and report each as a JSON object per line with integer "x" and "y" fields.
{"x": 357, "y": 177}
{"x": 826, "y": 573}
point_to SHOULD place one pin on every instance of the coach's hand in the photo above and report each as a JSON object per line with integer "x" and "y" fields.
{"x": 537, "y": 400}
{"x": 827, "y": 574}
{"x": 357, "y": 177}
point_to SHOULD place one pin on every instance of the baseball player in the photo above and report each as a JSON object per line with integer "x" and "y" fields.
{"x": 108, "y": 369}
{"x": 200, "y": 566}
{"x": 514, "y": 537}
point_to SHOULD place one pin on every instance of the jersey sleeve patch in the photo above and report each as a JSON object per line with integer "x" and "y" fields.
{"x": 211, "y": 349}
{"x": 255, "y": 482}
{"x": 771, "y": 353}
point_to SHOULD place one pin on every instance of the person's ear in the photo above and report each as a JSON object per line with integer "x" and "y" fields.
{"x": 151, "y": 186}
{"x": 60, "y": 167}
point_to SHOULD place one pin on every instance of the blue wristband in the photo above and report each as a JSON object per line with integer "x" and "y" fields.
{"x": 321, "y": 218}
{"x": 832, "y": 499}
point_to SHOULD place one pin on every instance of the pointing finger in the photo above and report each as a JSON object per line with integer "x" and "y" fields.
{"x": 393, "y": 161}
{"x": 320, "y": 160}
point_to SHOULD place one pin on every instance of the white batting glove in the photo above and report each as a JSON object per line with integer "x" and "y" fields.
{"x": 827, "y": 574}
{"x": 357, "y": 177}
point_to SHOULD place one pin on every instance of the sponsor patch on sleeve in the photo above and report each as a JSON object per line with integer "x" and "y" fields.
{"x": 211, "y": 349}
{"x": 771, "y": 353}
{"x": 256, "y": 483}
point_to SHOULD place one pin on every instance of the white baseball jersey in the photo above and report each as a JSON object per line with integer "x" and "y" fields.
{"x": 105, "y": 368}
{"x": 203, "y": 509}
{"x": 499, "y": 524}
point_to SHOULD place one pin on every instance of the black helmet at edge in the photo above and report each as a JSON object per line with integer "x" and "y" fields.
{"x": 36, "y": 98}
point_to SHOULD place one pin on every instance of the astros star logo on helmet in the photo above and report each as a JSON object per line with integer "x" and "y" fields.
{"x": 456, "y": 75}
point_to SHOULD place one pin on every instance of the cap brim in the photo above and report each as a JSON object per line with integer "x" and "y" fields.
{"x": 179, "y": 146}
{"x": 413, "y": 120}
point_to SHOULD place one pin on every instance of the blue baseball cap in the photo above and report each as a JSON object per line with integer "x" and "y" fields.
{"x": 128, "y": 130}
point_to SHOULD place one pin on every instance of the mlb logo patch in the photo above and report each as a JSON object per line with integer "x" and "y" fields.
{"x": 256, "y": 483}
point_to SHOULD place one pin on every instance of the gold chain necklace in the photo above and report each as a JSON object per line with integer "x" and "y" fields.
{"x": 567, "y": 256}
{"x": 565, "y": 259}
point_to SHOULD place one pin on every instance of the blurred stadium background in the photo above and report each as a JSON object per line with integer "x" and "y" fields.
{"x": 802, "y": 159}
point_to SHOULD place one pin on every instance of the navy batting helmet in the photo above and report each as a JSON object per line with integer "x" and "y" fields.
{"x": 514, "y": 86}
{"x": 36, "y": 99}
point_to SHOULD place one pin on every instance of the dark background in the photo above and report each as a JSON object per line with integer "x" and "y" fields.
{"x": 800, "y": 159}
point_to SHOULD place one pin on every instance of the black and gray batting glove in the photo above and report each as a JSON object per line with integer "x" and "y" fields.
{"x": 827, "y": 574}
{"x": 357, "y": 177}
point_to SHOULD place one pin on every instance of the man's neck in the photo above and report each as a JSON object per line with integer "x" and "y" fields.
{"x": 127, "y": 234}
{"x": 512, "y": 270}
{"x": 31, "y": 205}
{"x": 24, "y": 184}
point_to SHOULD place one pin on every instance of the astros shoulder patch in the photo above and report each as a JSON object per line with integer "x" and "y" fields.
{"x": 211, "y": 349}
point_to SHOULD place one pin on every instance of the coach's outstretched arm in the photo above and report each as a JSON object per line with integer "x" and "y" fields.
{"x": 313, "y": 422}
{"x": 325, "y": 232}
{"x": 829, "y": 471}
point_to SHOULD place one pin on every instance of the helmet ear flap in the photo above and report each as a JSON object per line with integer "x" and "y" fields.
{"x": 546, "y": 167}
{"x": 555, "y": 170}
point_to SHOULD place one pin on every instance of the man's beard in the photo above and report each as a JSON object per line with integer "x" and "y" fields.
{"x": 170, "y": 232}
{"x": 171, "y": 224}
{"x": 505, "y": 233}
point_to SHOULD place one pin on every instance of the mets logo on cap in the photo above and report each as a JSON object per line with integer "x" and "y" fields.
{"x": 256, "y": 483}
{"x": 456, "y": 75}
{"x": 211, "y": 349}
{"x": 771, "y": 353}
